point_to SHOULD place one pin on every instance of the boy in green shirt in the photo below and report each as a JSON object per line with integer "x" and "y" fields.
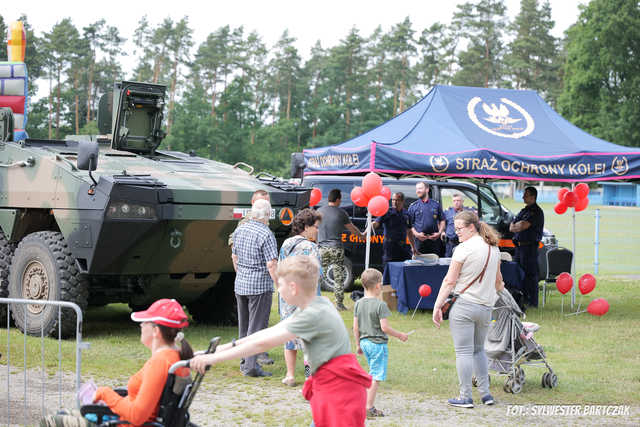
{"x": 370, "y": 328}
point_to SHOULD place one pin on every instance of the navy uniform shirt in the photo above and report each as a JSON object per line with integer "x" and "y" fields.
{"x": 394, "y": 224}
{"x": 425, "y": 216}
{"x": 534, "y": 216}
{"x": 449, "y": 216}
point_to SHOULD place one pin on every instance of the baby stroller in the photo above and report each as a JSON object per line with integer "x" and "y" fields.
{"x": 510, "y": 345}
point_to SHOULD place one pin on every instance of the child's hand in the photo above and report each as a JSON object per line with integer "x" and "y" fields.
{"x": 201, "y": 362}
{"x": 403, "y": 337}
{"x": 359, "y": 350}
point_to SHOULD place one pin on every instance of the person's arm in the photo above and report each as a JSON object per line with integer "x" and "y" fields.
{"x": 448, "y": 284}
{"x": 499, "y": 279}
{"x": 353, "y": 229}
{"x": 521, "y": 225}
{"x": 253, "y": 344}
{"x": 356, "y": 334}
{"x": 412, "y": 243}
{"x": 387, "y": 329}
{"x": 234, "y": 258}
{"x": 272, "y": 266}
{"x": 137, "y": 411}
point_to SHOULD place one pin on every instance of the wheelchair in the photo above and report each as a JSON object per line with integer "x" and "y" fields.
{"x": 177, "y": 395}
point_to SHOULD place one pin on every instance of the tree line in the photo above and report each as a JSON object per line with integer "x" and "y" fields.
{"x": 233, "y": 98}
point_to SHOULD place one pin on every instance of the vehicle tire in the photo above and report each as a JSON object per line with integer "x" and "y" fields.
{"x": 43, "y": 268}
{"x": 218, "y": 304}
{"x": 6, "y": 253}
{"x": 326, "y": 281}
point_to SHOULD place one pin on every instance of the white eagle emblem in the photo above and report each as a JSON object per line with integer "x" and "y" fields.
{"x": 498, "y": 115}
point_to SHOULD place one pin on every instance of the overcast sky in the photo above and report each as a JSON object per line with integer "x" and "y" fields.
{"x": 308, "y": 21}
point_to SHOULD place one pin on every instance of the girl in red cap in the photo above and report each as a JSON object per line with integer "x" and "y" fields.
{"x": 161, "y": 332}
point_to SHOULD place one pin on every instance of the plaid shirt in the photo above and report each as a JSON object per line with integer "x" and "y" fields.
{"x": 255, "y": 245}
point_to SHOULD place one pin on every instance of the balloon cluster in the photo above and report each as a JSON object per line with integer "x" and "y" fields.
{"x": 372, "y": 194}
{"x": 586, "y": 284}
{"x": 577, "y": 199}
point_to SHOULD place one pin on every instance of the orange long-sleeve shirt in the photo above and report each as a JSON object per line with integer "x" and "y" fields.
{"x": 144, "y": 389}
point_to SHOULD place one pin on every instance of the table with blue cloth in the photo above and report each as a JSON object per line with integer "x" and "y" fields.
{"x": 405, "y": 279}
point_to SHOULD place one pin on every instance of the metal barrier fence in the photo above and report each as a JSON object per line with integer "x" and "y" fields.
{"x": 11, "y": 400}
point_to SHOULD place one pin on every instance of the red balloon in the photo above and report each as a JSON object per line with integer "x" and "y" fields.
{"x": 371, "y": 185}
{"x": 358, "y": 198}
{"x": 598, "y": 307}
{"x": 385, "y": 192}
{"x": 424, "y": 290}
{"x": 564, "y": 283}
{"x": 560, "y": 208}
{"x": 561, "y": 193}
{"x": 378, "y": 206}
{"x": 570, "y": 199}
{"x": 582, "y": 204}
{"x": 586, "y": 283}
{"x": 581, "y": 190}
{"x": 316, "y": 196}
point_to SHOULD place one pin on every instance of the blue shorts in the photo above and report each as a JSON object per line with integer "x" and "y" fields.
{"x": 377, "y": 358}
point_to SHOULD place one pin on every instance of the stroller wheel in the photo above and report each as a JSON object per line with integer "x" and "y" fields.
{"x": 507, "y": 385}
{"x": 544, "y": 380}
{"x": 520, "y": 375}
{"x": 552, "y": 380}
{"x": 516, "y": 387}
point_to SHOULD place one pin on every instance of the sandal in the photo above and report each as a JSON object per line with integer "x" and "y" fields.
{"x": 290, "y": 381}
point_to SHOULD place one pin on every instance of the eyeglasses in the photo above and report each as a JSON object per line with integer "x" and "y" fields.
{"x": 459, "y": 229}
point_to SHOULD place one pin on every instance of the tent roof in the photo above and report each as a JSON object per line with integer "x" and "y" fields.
{"x": 482, "y": 133}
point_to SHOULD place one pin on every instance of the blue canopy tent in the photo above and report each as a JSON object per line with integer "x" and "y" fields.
{"x": 479, "y": 133}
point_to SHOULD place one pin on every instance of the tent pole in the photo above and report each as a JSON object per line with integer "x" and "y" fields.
{"x": 573, "y": 258}
{"x": 366, "y": 260}
{"x": 596, "y": 262}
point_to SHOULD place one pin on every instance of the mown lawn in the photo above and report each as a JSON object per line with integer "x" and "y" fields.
{"x": 597, "y": 359}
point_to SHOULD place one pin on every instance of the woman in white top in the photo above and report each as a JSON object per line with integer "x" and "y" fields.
{"x": 470, "y": 316}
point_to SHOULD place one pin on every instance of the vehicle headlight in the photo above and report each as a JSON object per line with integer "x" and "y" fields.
{"x": 122, "y": 210}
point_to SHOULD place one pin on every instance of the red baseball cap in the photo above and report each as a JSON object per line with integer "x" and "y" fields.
{"x": 166, "y": 312}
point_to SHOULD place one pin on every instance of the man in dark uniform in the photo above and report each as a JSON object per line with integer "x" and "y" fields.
{"x": 397, "y": 230}
{"x": 527, "y": 227}
{"x": 450, "y": 237}
{"x": 427, "y": 221}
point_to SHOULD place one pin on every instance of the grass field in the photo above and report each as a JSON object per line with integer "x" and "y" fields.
{"x": 619, "y": 236}
{"x": 597, "y": 359}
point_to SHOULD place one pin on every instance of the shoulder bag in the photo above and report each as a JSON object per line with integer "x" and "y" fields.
{"x": 453, "y": 297}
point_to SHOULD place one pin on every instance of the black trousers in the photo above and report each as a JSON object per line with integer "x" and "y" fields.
{"x": 394, "y": 251}
{"x": 430, "y": 247}
{"x": 253, "y": 316}
{"x": 527, "y": 257}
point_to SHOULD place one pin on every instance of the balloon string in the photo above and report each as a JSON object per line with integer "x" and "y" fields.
{"x": 577, "y": 312}
{"x": 414, "y": 310}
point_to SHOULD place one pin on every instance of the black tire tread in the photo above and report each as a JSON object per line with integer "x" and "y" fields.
{"x": 74, "y": 287}
{"x": 6, "y": 254}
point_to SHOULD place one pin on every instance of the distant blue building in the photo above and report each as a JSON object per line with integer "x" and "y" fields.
{"x": 620, "y": 194}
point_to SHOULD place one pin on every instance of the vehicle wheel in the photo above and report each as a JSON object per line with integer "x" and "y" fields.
{"x": 43, "y": 268}
{"x": 6, "y": 253}
{"x": 552, "y": 380}
{"x": 545, "y": 380}
{"x": 327, "y": 281}
{"x": 218, "y": 304}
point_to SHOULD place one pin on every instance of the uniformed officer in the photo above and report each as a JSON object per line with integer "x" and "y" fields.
{"x": 527, "y": 227}
{"x": 397, "y": 231}
{"x": 427, "y": 221}
{"x": 450, "y": 237}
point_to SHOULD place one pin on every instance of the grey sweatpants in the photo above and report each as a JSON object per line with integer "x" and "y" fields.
{"x": 469, "y": 323}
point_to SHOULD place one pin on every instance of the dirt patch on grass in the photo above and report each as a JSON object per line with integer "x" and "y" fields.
{"x": 235, "y": 400}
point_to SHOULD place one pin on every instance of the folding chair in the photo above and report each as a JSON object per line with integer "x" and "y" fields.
{"x": 177, "y": 395}
{"x": 552, "y": 262}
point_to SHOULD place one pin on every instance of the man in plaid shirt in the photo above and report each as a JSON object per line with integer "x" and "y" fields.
{"x": 255, "y": 258}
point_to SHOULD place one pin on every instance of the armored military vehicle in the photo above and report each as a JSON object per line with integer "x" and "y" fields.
{"x": 111, "y": 218}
